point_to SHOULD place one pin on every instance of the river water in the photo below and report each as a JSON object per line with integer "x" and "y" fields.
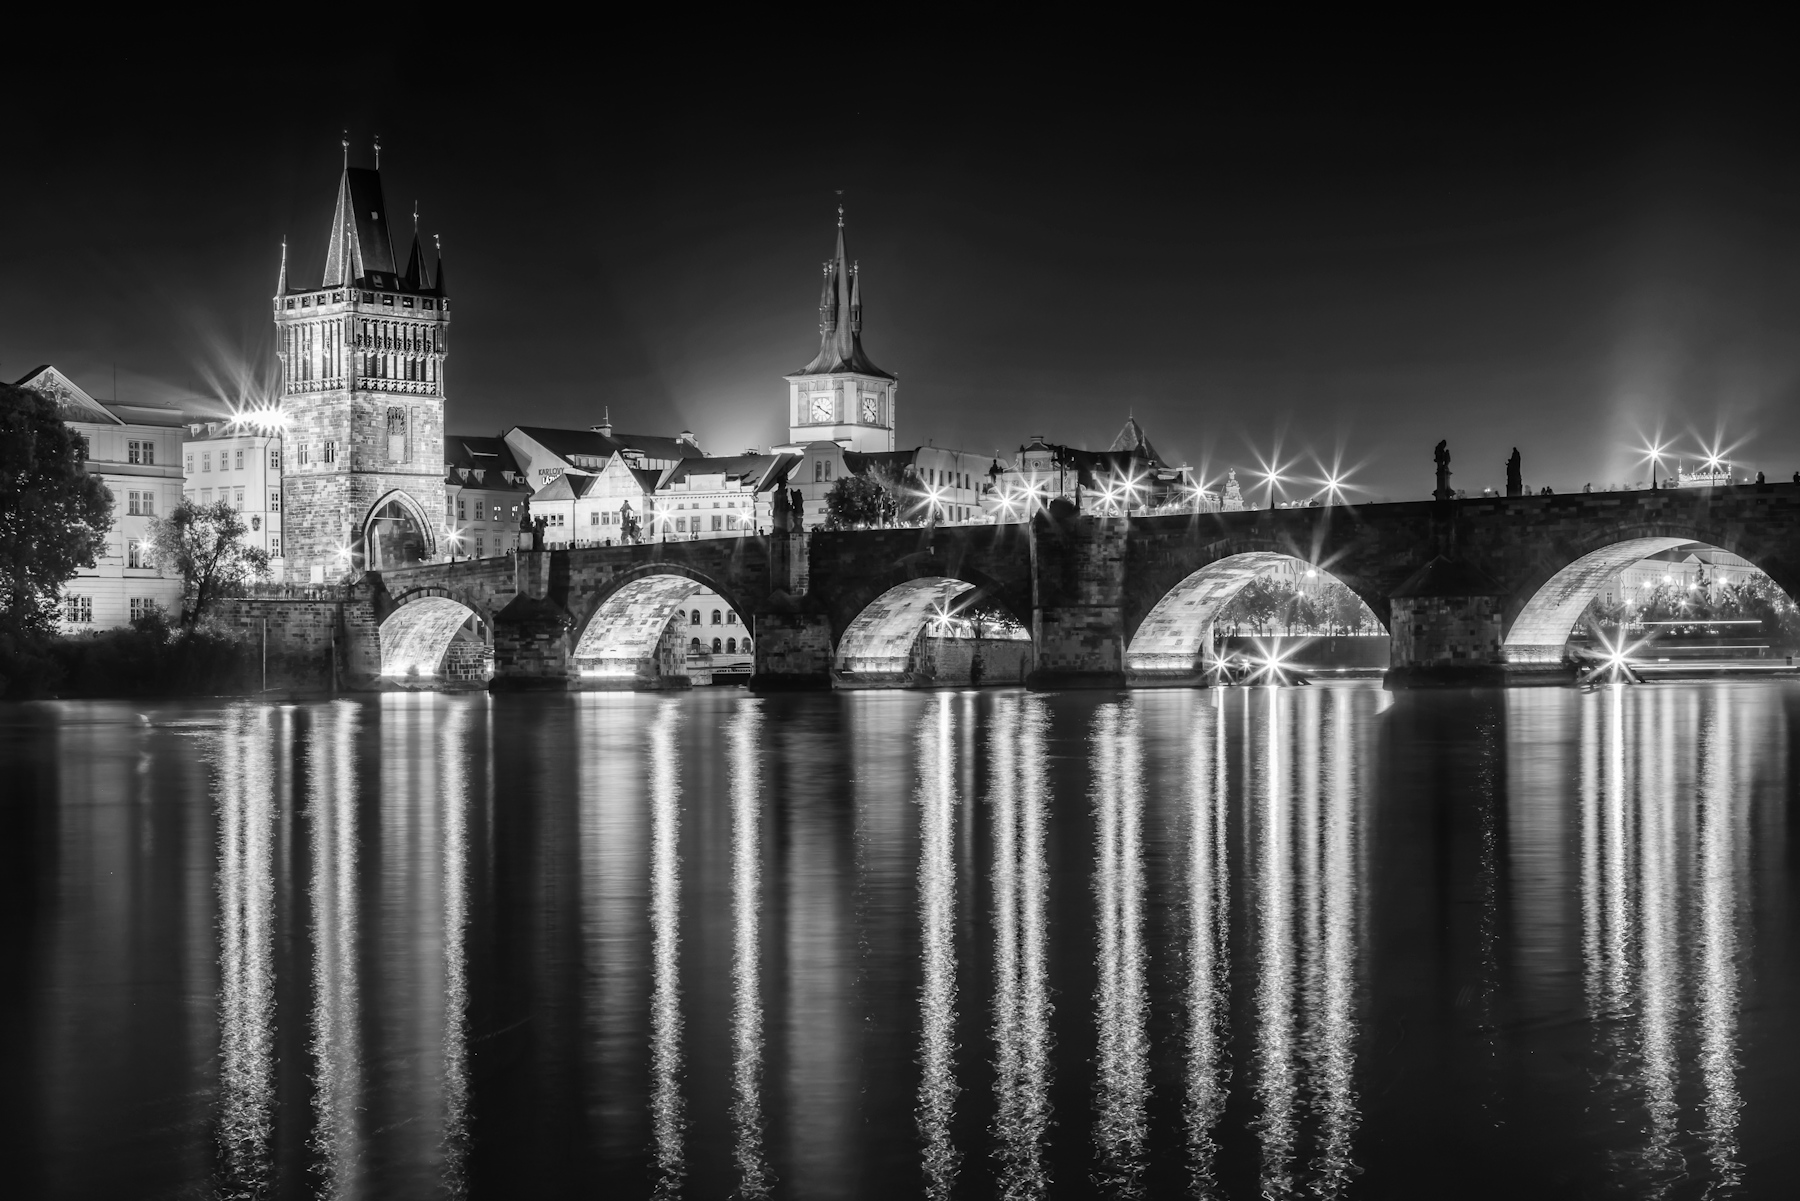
{"x": 1248, "y": 942}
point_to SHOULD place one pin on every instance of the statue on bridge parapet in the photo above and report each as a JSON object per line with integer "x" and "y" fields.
{"x": 1442, "y": 455}
{"x": 1515, "y": 481}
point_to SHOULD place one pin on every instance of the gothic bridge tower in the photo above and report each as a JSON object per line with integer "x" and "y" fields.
{"x": 362, "y": 358}
{"x": 841, "y": 396}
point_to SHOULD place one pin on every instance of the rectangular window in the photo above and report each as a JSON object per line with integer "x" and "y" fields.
{"x": 237, "y": 499}
{"x": 274, "y": 459}
{"x": 480, "y": 547}
{"x": 718, "y": 522}
{"x": 149, "y": 504}
{"x": 206, "y": 460}
{"x": 131, "y": 503}
{"x": 141, "y": 607}
{"x": 78, "y": 609}
{"x": 240, "y": 460}
{"x": 133, "y": 449}
{"x": 206, "y": 496}
{"x": 594, "y": 517}
{"x": 731, "y": 521}
{"x": 330, "y": 455}
{"x": 274, "y": 500}
{"x": 190, "y": 465}
{"x": 134, "y": 555}
{"x": 462, "y": 509}
{"x": 681, "y": 525}
{"x": 275, "y": 545}
{"x": 480, "y": 509}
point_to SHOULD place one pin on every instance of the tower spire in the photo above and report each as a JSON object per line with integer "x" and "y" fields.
{"x": 281, "y": 280}
{"x": 346, "y": 145}
{"x": 378, "y": 152}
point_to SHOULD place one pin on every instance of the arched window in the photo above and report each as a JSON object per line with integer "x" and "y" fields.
{"x": 731, "y": 618}
{"x": 744, "y": 647}
{"x": 716, "y": 647}
{"x": 731, "y": 646}
{"x": 694, "y": 618}
{"x": 693, "y": 646}
{"x": 717, "y": 617}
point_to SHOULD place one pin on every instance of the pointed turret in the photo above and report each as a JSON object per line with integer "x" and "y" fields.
{"x": 281, "y": 280}
{"x": 438, "y": 275}
{"x": 360, "y": 246}
{"x": 840, "y": 319}
{"x": 416, "y": 278}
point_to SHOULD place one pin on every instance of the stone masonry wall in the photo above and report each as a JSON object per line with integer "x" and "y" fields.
{"x": 1445, "y": 631}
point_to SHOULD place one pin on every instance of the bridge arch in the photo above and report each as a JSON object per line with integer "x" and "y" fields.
{"x": 417, "y": 635}
{"x": 1547, "y": 606}
{"x": 881, "y": 643}
{"x": 1177, "y": 631}
{"x": 627, "y": 620}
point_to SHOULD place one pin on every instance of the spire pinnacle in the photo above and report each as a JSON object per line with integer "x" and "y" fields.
{"x": 281, "y": 281}
{"x": 346, "y": 146}
{"x": 378, "y": 152}
{"x": 415, "y": 218}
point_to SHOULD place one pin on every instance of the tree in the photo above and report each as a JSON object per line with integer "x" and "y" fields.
{"x": 204, "y": 544}
{"x": 859, "y": 501}
{"x": 53, "y": 522}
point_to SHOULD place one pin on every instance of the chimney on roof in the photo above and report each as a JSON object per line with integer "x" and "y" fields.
{"x": 688, "y": 437}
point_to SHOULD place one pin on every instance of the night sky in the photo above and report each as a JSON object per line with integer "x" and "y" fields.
{"x": 1347, "y": 261}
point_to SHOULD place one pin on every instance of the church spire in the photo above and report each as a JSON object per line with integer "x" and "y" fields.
{"x": 840, "y": 317}
{"x": 281, "y": 280}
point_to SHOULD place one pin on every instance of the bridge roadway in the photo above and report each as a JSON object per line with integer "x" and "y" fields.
{"x": 1482, "y": 589}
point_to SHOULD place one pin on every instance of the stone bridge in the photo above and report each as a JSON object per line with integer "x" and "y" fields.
{"x": 1475, "y": 589}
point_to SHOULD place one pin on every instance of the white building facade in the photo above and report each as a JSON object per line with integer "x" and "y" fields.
{"x": 226, "y": 462}
{"x": 136, "y": 452}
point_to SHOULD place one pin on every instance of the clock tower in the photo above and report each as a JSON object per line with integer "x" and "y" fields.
{"x": 362, "y": 357}
{"x": 841, "y": 396}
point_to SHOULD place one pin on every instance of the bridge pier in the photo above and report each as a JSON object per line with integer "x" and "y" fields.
{"x": 1078, "y": 600}
{"x": 1444, "y": 628}
{"x": 793, "y": 651}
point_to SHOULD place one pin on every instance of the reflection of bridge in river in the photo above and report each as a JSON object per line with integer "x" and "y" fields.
{"x": 1470, "y": 590}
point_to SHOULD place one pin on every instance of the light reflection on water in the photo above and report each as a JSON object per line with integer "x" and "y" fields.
{"x": 1120, "y": 1001}
{"x": 1022, "y": 1007}
{"x": 247, "y": 809}
{"x": 1307, "y": 942}
{"x": 338, "y": 1103}
{"x": 937, "y": 902}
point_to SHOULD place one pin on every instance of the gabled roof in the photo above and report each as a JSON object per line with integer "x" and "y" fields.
{"x": 758, "y": 472}
{"x": 72, "y": 402}
{"x": 840, "y": 319}
{"x": 568, "y": 443}
{"x": 1132, "y": 437}
{"x": 491, "y": 456}
{"x": 570, "y": 485}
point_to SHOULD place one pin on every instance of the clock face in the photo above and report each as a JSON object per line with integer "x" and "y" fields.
{"x": 821, "y": 406}
{"x": 871, "y": 409}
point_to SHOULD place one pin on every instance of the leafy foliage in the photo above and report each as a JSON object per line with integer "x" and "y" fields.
{"x": 861, "y": 501}
{"x": 1268, "y": 606}
{"x": 53, "y": 521}
{"x": 1681, "y": 611}
{"x": 204, "y": 544}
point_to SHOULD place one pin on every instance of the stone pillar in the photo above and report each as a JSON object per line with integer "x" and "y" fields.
{"x": 532, "y": 645}
{"x": 1078, "y": 593}
{"x": 1445, "y": 628}
{"x": 793, "y": 650}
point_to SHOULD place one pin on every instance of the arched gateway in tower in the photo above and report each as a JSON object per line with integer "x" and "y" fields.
{"x": 362, "y": 358}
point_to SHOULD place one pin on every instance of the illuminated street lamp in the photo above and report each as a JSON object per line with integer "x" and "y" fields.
{"x": 1654, "y": 452}
{"x": 454, "y": 538}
